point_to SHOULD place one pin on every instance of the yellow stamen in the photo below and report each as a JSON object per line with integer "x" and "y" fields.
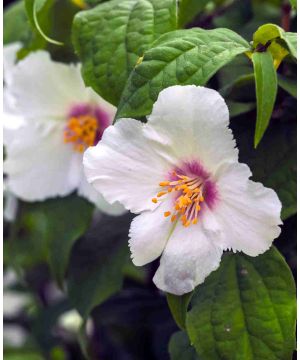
{"x": 161, "y": 193}
{"x": 81, "y": 130}
{"x": 187, "y": 202}
{"x": 164, "y": 183}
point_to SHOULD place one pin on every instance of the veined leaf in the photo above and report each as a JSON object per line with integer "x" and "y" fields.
{"x": 111, "y": 37}
{"x": 180, "y": 57}
{"x": 246, "y": 307}
{"x": 266, "y": 91}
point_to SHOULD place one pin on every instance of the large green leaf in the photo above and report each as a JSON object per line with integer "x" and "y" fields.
{"x": 97, "y": 262}
{"x": 266, "y": 91}
{"x": 178, "y": 306}
{"x": 180, "y": 347}
{"x": 111, "y": 37}
{"x": 180, "y": 57}
{"x": 245, "y": 310}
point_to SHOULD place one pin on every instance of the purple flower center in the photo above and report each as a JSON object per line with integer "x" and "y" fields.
{"x": 85, "y": 126}
{"x": 192, "y": 191}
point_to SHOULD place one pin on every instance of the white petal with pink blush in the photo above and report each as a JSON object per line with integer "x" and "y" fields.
{"x": 50, "y": 118}
{"x": 180, "y": 173}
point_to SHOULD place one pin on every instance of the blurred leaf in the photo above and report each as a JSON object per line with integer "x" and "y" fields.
{"x": 22, "y": 354}
{"x": 291, "y": 41}
{"x": 15, "y": 23}
{"x": 97, "y": 262}
{"x": 178, "y": 306}
{"x": 83, "y": 340}
{"x": 238, "y": 108}
{"x": 266, "y": 91}
{"x": 288, "y": 84}
{"x": 294, "y": 3}
{"x": 246, "y": 307}
{"x": 180, "y": 347}
{"x": 55, "y": 19}
{"x": 67, "y": 219}
{"x": 188, "y": 9}
{"x": 44, "y": 323}
{"x": 93, "y": 2}
{"x": 275, "y": 169}
{"x": 51, "y": 228}
{"x": 180, "y": 57}
{"x": 34, "y": 9}
{"x": 111, "y": 37}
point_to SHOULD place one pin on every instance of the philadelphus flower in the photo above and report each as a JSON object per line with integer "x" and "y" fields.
{"x": 50, "y": 118}
{"x": 180, "y": 171}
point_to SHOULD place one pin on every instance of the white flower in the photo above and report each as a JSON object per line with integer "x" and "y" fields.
{"x": 181, "y": 172}
{"x": 50, "y": 118}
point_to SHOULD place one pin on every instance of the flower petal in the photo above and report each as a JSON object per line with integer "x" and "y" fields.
{"x": 39, "y": 164}
{"x": 87, "y": 191}
{"x": 189, "y": 257}
{"x": 125, "y": 167}
{"x": 195, "y": 119}
{"x": 248, "y": 212}
{"x": 42, "y": 87}
{"x": 149, "y": 233}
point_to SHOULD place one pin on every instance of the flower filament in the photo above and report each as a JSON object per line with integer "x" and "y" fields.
{"x": 187, "y": 203}
{"x": 81, "y": 131}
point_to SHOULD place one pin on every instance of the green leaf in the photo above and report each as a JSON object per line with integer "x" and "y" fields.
{"x": 36, "y": 8}
{"x": 111, "y": 37}
{"x": 47, "y": 230}
{"x": 288, "y": 84}
{"x": 266, "y": 91}
{"x": 178, "y": 306}
{"x": 188, "y": 9}
{"x": 180, "y": 57}
{"x": 291, "y": 41}
{"x": 180, "y": 347}
{"x": 66, "y": 220}
{"x": 238, "y": 108}
{"x": 97, "y": 261}
{"x": 293, "y": 3}
{"x": 15, "y": 23}
{"x": 246, "y": 307}
{"x": 280, "y": 43}
{"x": 273, "y": 168}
